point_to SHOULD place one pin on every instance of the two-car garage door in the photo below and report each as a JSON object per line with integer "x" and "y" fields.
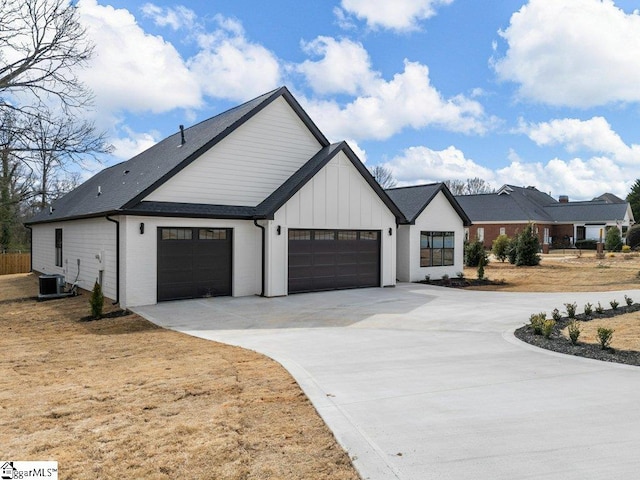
{"x": 333, "y": 259}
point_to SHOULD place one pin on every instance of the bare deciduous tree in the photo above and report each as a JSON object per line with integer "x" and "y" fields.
{"x": 41, "y": 45}
{"x": 472, "y": 186}
{"x": 383, "y": 176}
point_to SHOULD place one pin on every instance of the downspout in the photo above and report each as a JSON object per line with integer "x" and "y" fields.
{"x": 264, "y": 257}
{"x": 117, "y": 258}
{"x": 30, "y": 247}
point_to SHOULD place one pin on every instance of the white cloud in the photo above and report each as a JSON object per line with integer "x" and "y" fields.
{"x": 399, "y": 15}
{"x": 132, "y": 70}
{"x": 594, "y": 135}
{"x": 345, "y": 66}
{"x": 385, "y": 108}
{"x": 176, "y": 17}
{"x": 420, "y": 164}
{"x": 231, "y": 67}
{"x": 133, "y": 143}
{"x": 581, "y": 179}
{"x": 577, "y": 53}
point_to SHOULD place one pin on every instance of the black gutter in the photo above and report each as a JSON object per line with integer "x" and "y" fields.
{"x": 30, "y": 246}
{"x": 255, "y": 222}
{"x": 117, "y": 258}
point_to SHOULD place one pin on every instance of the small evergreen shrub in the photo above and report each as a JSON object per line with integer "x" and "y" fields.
{"x": 427, "y": 278}
{"x": 527, "y": 247}
{"x": 588, "y": 309}
{"x": 586, "y": 244}
{"x": 628, "y": 300}
{"x": 574, "y": 331}
{"x": 605, "y": 335}
{"x": 96, "y": 301}
{"x": 614, "y": 304}
{"x": 547, "y": 327}
{"x": 599, "y": 308}
{"x": 445, "y": 279}
{"x": 481, "y": 269}
{"x": 633, "y": 236}
{"x": 556, "y": 314}
{"x": 571, "y": 309}
{"x": 626, "y": 249}
{"x": 512, "y": 250}
{"x": 536, "y": 321}
{"x": 613, "y": 240}
{"x": 500, "y": 247}
{"x": 460, "y": 275}
{"x": 473, "y": 252}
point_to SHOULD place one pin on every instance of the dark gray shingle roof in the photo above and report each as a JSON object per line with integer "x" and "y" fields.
{"x": 594, "y": 211}
{"x": 413, "y": 200}
{"x": 124, "y": 185}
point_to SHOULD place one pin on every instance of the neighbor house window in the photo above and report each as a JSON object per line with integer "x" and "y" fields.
{"x": 503, "y": 231}
{"x": 58, "y": 247}
{"x": 436, "y": 249}
{"x": 481, "y": 234}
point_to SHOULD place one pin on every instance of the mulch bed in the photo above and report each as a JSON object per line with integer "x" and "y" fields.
{"x": 457, "y": 282}
{"x": 558, "y": 343}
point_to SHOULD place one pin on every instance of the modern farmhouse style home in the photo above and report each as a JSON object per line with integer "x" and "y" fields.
{"x": 254, "y": 201}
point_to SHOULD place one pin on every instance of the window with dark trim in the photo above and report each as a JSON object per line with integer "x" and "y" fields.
{"x": 58, "y": 247}
{"x": 436, "y": 249}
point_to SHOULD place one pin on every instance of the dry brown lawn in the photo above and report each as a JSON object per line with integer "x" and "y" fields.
{"x": 567, "y": 272}
{"x": 122, "y": 398}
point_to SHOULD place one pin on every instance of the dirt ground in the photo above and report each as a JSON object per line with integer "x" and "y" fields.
{"x": 568, "y": 271}
{"x": 122, "y": 398}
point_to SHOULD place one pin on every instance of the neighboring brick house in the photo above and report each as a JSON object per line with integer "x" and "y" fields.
{"x": 558, "y": 222}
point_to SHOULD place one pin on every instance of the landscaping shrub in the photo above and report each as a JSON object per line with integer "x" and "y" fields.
{"x": 527, "y": 247}
{"x": 574, "y": 331}
{"x": 500, "y": 247}
{"x": 628, "y": 300}
{"x": 537, "y": 322}
{"x": 571, "y": 309}
{"x": 473, "y": 252}
{"x": 481, "y": 268}
{"x": 96, "y": 301}
{"x": 547, "y": 327}
{"x": 605, "y": 335}
{"x": 626, "y": 249}
{"x": 588, "y": 309}
{"x": 633, "y": 236}
{"x": 556, "y": 314}
{"x": 613, "y": 240}
{"x": 614, "y": 304}
{"x": 587, "y": 244}
{"x": 512, "y": 250}
{"x": 599, "y": 308}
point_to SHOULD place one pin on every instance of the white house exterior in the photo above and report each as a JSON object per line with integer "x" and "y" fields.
{"x": 431, "y": 243}
{"x": 254, "y": 201}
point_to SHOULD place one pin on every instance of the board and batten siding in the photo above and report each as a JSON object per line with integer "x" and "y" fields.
{"x": 92, "y": 241}
{"x": 337, "y": 197}
{"x": 438, "y": 216}
{"x": 139, "y": 257}
{"x": 248, "y": 165}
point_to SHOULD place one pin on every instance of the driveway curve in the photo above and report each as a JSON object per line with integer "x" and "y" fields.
{"x": 421, "y": 382}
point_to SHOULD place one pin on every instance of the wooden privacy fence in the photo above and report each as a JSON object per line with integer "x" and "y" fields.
{"x": 15, "y": 263}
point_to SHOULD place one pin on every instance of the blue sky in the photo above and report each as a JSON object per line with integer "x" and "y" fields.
{"x": 543, "y": 92}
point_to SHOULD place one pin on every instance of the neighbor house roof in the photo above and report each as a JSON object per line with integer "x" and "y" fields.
{"x": 120, "y": 189}
{"x": 413, "y": 200}
{"x": 527, "y": 204}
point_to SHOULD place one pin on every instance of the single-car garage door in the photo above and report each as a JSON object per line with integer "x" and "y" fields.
{"x": 193, "y": 262}
{"x": 333, "y": 259}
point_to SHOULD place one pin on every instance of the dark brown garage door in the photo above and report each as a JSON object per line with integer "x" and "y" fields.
{"x": 193, "y": 263}
{"x": 333, "y": 259}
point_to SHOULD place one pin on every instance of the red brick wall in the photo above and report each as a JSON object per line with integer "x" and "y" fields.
{"x": 491, "y": 231}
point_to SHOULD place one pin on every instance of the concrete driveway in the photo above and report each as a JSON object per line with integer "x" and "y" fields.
{"x": 421, "y": 382}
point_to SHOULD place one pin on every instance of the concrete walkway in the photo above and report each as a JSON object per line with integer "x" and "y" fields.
{"x": 420, "y": 382}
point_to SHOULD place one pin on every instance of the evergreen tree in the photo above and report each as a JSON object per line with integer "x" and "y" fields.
{"x": 613, "y": 240}
{"x": 527, "y": 247}
{"x": 634, "y": 199}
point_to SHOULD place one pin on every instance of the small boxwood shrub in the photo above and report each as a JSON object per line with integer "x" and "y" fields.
{"x": 556, "y": 314}
{"x": 628, "y": 300}
{"x": 614, "y": 304}
{"x": 537, "y": 321}
{"x": 599, "y": 308}
{"x": 571, "y": 309}
{"x": 547, "y": 327}
{"x": 574, "y": 331}
{"x": 588, "y": 309}
{"x": 633, "y": 236}
{"x": 605, "y": 335}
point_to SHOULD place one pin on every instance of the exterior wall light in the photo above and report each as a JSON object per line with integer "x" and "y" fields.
{"x": 141, "y": 228}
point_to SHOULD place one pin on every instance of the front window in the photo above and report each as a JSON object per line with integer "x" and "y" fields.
{"x": 58, "y": 247}
{"x": 436, "y": 249}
